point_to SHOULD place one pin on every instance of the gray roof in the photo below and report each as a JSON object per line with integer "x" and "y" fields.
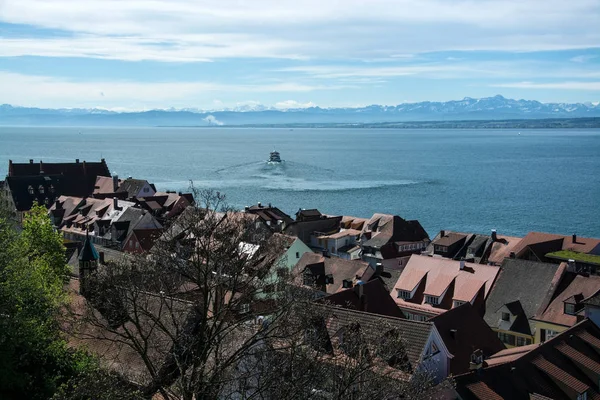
{"x": 414, "y": 333}
{"x": 528, "y": 282}
{"x": 132, "y": 186}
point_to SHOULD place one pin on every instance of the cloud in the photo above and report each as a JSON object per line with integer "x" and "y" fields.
{"x": 204, "y": 30}
{"x": 34, "y": 90}
{"x": 213, "y": 121}
{"x": 293, "y": 104}
{"x": 591, "y": 86}
{"x": 583, "y": 58}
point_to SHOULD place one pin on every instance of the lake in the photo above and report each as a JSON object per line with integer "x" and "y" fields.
{"x": 464, "y": 180}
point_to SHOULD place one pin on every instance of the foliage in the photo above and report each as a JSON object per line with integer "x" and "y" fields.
{"x": 573, "y": 255}
{"x": 33, "y": 357}
{"x": 97, "y": 384}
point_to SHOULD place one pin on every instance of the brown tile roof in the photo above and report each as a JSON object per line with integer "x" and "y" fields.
{"x": 104, "y": 184}
{"x": 464, "y": 331}
{"x": 502, "y": 248}
{"x": 483, "y": 391}
{"x": 341, "y": 234}
{"x": 580, "y": 286}
{"x": 548, "y": 242}
{"x": 449, "y": 239}
{"x": 376, "y": 300}
{"x": 557, "y": 369}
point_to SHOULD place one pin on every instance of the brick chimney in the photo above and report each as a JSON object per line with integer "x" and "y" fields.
{"x": 494, "y": 235}
{"x": 115, "y": 180}
{"x": 574, "y": 238}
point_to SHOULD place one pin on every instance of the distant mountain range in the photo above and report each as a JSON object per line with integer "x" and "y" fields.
{"x": 488, "y": 108}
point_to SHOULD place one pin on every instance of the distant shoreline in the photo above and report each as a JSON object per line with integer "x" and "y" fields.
{"x": 549, "y": 123}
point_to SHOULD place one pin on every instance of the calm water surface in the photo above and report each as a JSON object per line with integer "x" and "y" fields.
{"x": 467, "y": 180}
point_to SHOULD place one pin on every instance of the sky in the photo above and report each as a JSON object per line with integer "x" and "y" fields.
{"x": 211, "y": 55}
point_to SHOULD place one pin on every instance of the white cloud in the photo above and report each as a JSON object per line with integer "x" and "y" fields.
{"x": 201, "y": 30}
{"x": 30, "y": 90}
{"x": 593, "y": 86}
{"x": 293, "y": 104}
{"x": 583, "y": 58}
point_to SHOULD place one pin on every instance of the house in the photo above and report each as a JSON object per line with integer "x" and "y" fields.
{"x": 566, "y": 367}
{"x": 328, "y": 275}
{"x": 165, "y": 206}
{"x": 371, "y": 297}
{"x": 141, "y": 240}
{"x": 43, "y": 183}
{"x": 548, "y": 247}
{"x": 463, "y": 331}
{"x": 127, "y": 189}
{"x": 522, "y": 287}
{"x": 385, "y": 238}
{"x": 342, "y": 244}
{"x": 429, "y": 286}
{"x": 567, "y": 305}
{"x": 425, "y": 350}
{"x": 591, "y": 307}
{"x": 310, "y": 223}
{"x": 108, "y": 221}
{"x": 447, "y": 244}
{"x": 271, "y": 216}
{"x": 501, "y": 247}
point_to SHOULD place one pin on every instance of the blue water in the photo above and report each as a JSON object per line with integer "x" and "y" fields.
{"x": 466, "y": 180}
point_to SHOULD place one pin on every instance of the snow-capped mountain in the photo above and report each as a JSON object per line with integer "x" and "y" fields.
{"x": 488, "y": 108}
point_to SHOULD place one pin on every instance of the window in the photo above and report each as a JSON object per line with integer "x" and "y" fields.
{"x": 137, "y": 245}
{"x": 569, "y": 308}
{"x": 51, "y": 189}
{"x": 507, "y": 338}
{"x": 297, "y": 255}
{"x": 30, "y": 189}
{"x": 458, "y": 303}
{"x": 433, "y": 300}
{"x": 433, "y": 349}
{"x": 582, "y": 396}
{"x": 548, "y": 334}
{"x": 41, "y": 189}
{"x": 403, "y": 294}
{"x": 521, "y": 341}
{"x": 146, "y": 190}
{"x": 244, "y": 308}
{"x": 505, "y": 316}
{"x": 415, "y": 317}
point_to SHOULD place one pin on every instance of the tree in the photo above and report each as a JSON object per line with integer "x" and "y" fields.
{"x": 194, "y": 319}
{"x": 34, "y": 359}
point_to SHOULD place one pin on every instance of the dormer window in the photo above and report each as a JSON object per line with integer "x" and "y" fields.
{"x": 403, "y": 294}
{"x": 31, "y": 189}
{"x": 433, "y": 300}
{"x": 51, "y": 189}
{"x": 458, "y": 303}
{"x": 570, "y": 308}
{"x": 41, "y": 189}
{"x": 505, "y": 316}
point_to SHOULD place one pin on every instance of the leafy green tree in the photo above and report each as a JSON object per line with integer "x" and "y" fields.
{"x": 34, "y": 359}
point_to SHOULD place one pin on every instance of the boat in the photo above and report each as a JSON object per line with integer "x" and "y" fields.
{"x": 274, "y": 157}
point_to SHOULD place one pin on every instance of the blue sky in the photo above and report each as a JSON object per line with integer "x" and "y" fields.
{"x": 135, "y": 55}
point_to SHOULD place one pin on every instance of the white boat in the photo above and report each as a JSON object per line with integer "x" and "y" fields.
{"x": 274, "y": 157}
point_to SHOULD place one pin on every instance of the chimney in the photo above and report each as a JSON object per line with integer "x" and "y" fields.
{"x": 115, "y": 183}
{"x": 453, "y": 333}
{"x": 77, "y": 161}
{"x": 269, "y": 205}
{"x": 571, "y": 266}
{"x": 574, "y": 238}
{"x": 378, "y": 269}
{"x": 358, "y": 289}
{"x": 259, "y": 204}
{"x": 30, "y": 161}
{"x": 116, "y": 203}
{"x": 101, "y": 257}
{"x": 462, "y": 264}
{"x": 247, "y": 208}
{"x": 512, "y": 254}
{"x": 57, "y": 204}
{"x": 84, "y": 167}
{"x": 494, "y": 236}
{"x": 442, "y": 233}
{"x": 41, "y": 167}
{"x": 10, "y": 168}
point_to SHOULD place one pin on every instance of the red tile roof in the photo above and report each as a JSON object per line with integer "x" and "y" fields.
{"x": 556, "y": 242}
{"x": 438, "y": 274}
{"x": 502, "y": 248}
